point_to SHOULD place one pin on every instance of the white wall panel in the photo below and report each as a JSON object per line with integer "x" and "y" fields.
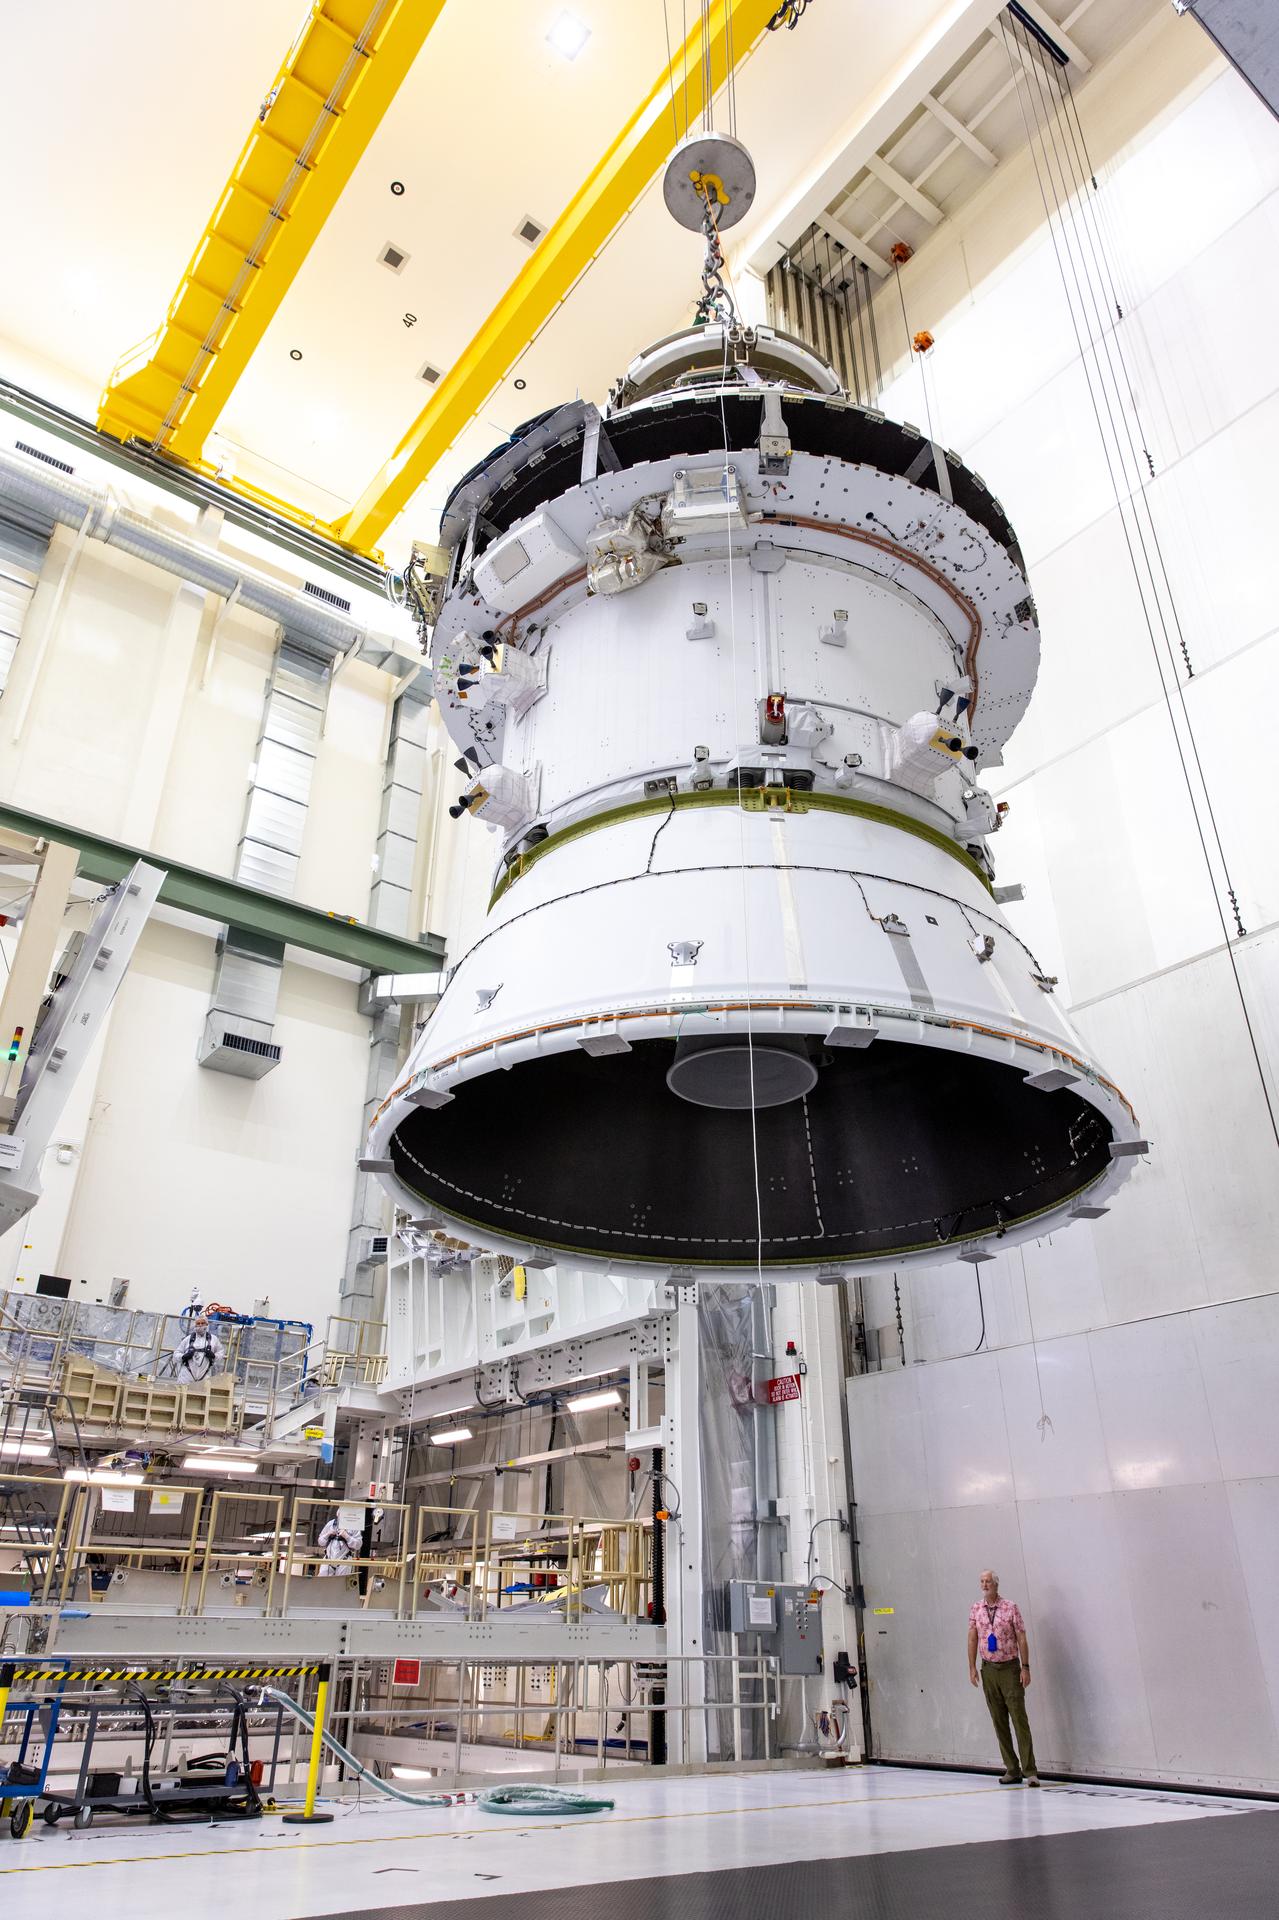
{"x": 1085, "y": 1714}
{"x": 1238, "y": 1353}
{"x": 964, "y": 1438}
{"x": 1198, "y": 1648}
{"x": 1188, "y": 388}
{"x": 1198, "y": 174}
{"x": 1232, "y": 708}
{"x": 1055, "y": 1435}
{"x": 1152, "y": 1403}
{"x": 1144, "y": 1542}
{"x": 888, "y": 1443}
{"x": 1254, "y": 1513}
{"x": 911, "y": 1690}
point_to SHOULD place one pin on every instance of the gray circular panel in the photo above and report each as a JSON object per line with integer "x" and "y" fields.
{"x": 726, "y": 167}
{"x": 735, "y": 1073}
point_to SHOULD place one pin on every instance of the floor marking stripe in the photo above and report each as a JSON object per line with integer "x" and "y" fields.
{"x": 381, "y": 1839}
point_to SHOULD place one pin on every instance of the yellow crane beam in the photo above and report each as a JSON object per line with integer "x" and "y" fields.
{"x": 328, "y": 98}
{"x": 562, "y": 256}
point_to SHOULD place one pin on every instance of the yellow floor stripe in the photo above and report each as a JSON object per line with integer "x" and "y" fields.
{"x": 460, "y": 1833}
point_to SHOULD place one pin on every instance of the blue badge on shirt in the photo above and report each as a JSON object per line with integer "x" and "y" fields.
{"x": 992, "y": 1644}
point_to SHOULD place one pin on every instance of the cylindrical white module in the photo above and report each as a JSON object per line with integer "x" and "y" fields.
{"x": 727, "y": 664}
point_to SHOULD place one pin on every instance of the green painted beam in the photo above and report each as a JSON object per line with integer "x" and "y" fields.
{"x": 214, "y": 897}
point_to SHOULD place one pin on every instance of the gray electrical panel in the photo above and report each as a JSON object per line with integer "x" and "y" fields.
{"x": 788, "y": 1620}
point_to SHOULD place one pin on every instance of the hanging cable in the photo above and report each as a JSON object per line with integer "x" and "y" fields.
{"x": 911, "y": 347}
{"x": 982, "y": 1304}
{"x": 684, "y": 49}
{"x": 730, "y": 67}
{"x": 741, "y": 841}
{"x": 670, "y": 67}
{"x": 1022, "y": 67}
{"x": 874, "y": 336}
{"x": 854, "y": 377}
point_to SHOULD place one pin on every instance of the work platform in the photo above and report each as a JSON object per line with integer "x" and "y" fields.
{"x": 233, "y": 1637}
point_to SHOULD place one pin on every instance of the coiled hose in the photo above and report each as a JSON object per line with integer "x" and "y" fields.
{"x": 524, "y": 1799}
{"x": 517, "y": 1799}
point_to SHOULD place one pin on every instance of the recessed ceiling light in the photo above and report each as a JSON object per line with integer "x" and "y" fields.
{"x": 529, "y": 230}
{"x": 589, "y": 1402}
{"x": 397, "y": 187}
{"x": 295, "y": 353}
{"x": 210, "y": 1463}
{"x": 520, "y": 383}
{"x": 568, "y": 35}
{"x": 393, "y": 257}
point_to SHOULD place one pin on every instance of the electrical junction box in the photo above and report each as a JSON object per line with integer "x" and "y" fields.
{"x": 787, "y": 1618}
{"x": 524, "y": 562}
{"x": 703, "y": 500}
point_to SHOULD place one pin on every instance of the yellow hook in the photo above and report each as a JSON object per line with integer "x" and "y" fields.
{"x": 705, "y": 181}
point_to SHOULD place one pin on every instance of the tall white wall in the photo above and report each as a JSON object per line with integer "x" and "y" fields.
{"x": 1112, "y": 1448}
{"x": 127, "y": 715}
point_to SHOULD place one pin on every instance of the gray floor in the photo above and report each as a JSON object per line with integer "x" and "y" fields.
{"x": 872, "y": 1840}
{"x": 1189, "y": 1870}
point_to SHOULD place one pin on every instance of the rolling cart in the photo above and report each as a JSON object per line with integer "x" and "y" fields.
{"x": 221, "y": 1785}
{"x": 23, "y": 1781}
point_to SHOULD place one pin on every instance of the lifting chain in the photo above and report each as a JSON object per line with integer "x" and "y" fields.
{"x": 716, "y": 302}
{"x": 789, "y": 15}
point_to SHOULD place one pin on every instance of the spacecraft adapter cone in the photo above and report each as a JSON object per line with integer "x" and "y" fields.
{"x": 726, "y": 664}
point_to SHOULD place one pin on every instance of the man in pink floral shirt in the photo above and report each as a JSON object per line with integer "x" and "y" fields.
{"x": 997, "y": 1632}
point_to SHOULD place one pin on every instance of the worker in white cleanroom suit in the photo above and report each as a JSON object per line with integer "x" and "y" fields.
{"x": 199, "y": 1354}
{"x": 342, "y": 1538}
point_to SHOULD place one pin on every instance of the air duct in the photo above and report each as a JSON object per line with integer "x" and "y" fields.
{"x": 38, "y": 499}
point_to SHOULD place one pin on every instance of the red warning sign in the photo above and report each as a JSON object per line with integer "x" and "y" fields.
{"x": 406, "y": 1673}
{"x": 785, "y": 1387}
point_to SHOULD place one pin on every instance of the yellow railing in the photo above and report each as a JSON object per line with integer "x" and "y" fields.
{"x": 483, "y": 1565}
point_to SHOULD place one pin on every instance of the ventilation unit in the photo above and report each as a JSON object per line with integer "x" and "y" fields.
{"x": 374, "y": 1248}
{"x": 529, "y": 230}
{"x": 234, "y": 1044}
{"x": 393, "y": 257}
{"x": 428, "y": 373}
{"x": 50, "y": 460}
{"x": 326, "y": 594}
{"x": 239, "y": 1025}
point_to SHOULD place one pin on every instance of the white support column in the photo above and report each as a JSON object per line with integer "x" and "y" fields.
{"x": 813, "y": 1493}
{"x": 685, "y": 1603}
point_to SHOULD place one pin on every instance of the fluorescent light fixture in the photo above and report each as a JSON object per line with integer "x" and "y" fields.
{"x": 588, "y": 1402}
{"x": 26, "y": 1449}
{"x": 104, "y": 1476}
{"x": 568, "y": 35}
{"x": 451, "y": 1437}
{"x": 412, "y": 1773}
{"x": 210, "y": 1463}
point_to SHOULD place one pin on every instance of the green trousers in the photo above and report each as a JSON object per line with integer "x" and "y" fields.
{"x": 1006, "y": 1698}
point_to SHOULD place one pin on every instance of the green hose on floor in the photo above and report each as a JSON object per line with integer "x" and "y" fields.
{"x": 541, "y": 1800}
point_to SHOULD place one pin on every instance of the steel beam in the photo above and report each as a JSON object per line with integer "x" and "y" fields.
{"x": 315, "y": 123}
{"x": 532, "y": 1633}
{"x": 214, "y": 897}
{"x": 560, "y": 258}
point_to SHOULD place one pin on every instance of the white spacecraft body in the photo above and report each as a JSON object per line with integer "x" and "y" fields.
{"x": 727, "y": 664}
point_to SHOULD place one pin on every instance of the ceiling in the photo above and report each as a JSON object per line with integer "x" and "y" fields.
{"x": 127, "y": 119}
